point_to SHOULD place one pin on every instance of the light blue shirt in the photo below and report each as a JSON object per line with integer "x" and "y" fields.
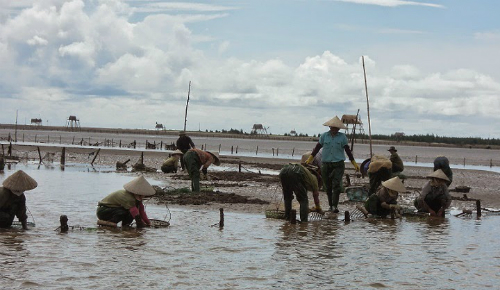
{"x": 333, "y": 146}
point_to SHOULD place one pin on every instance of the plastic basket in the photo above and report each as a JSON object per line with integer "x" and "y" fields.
{"x": 356, "y": 193}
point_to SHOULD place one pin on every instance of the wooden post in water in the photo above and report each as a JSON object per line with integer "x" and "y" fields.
{"x": 219, "y": 147}
{"x": 161, "y": 145}
{"x": 63, "y": 156}
{"x": 478, "y": 208}
{"x": 236, "y": 149}
{"x": 221, "y": 222}
{"x": 64, "y": 223}
{"x": 239, "y": 166}
{"x": 491, "y": 162}
{"x": 48, "y": 139}
{"x": 73, "y": 142}
{"x": 347, "y": 216}
{"x": 39, "y": 154}
{"x": 231, "y": 149}
{"x": 120, "y": 143}
{"x": 273, "y": 151}
{"x": 293, "y": 216}
{"x": 293, "y": 151}
{"x": 135, "y": 144}
{"x": 9, "y": 150}
{"x": 464, "y": 161}
{"x": 256, "y": 151}
{"x": 97, "y": 153}
{"x": 416, "y": 158}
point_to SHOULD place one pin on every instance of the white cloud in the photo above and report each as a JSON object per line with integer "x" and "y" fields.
{"x": 181, "y": 6}
{"x": 392, "y": 3}
{"x": 94, "y": 62}
{"x": 487, "y": 35}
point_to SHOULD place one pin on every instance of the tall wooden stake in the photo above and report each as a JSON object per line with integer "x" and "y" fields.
{"x": 353, "y": 133}
{"x": 368, "y": 108}
{"x": 187, "y": 104}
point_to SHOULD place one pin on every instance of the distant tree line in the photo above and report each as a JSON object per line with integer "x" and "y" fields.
{"x": 432, "y": 138}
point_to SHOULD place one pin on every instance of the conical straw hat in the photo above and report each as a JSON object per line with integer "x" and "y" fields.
{"x": 216, "y": 157}
{"x": 439, "y": 174}
{"x": 394, "y": 184}
{"x": 19, "y": 181}
{"x": 140, "y": 186}
{"x": 335, "y": 122}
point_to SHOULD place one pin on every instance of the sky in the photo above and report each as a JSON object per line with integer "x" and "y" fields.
{"x": 432, "y": 66}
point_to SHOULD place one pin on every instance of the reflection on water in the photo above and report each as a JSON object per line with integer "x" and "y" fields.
{"x": 251, "y": 252}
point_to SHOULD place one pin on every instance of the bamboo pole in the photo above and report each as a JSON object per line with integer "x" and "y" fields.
{"x": 98, "y": 150}
{"x": 39, "y": 154}
{"x": 367, "y": 107}
{"x": 187, "y": 104}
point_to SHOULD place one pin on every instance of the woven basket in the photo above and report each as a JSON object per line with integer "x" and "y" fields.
{"x": 275, "y": 214}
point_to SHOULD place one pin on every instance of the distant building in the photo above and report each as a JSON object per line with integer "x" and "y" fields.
{"x": 159, "y": 126}
{"x": 293, "y": 133}
{"x": 36, "y": 122}
{"x": 73, "y": 123}
{"x": 259, "y": 129}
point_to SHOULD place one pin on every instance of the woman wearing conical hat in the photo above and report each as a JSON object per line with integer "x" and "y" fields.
{"x": 172, "y": 163}
{"x": 385, "y": 200}
{"x": 125, "y": 205}
{"x": 434, "y": 198}
{"x": 12, "y": 199}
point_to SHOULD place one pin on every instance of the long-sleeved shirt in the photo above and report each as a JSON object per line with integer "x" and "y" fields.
{"x": 205, "y": 157}
{"x": 13, "y": 204}
{"x": 125, "y": 199}
{"x": 435, "y": 196}
{"x": 310, "y": 181}
{"x": 397, "y": 163}
{"x": 171, "y": 161}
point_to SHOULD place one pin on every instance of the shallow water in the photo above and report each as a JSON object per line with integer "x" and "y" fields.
{"x": 251, "y": 252}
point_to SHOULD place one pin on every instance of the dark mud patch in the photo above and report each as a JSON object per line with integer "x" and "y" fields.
{"x": 239, "y": 177}
{"x": 183, "y": 197}
{"x": 272, "y": 166}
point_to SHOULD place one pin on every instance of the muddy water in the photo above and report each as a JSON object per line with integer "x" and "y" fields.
{"x": 251, "y": 252}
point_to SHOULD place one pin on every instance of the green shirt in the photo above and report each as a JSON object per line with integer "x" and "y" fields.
{"x": 119, "y": 198}
{"x": 333, "y": 146}
{"x": 310, "y": 181}
{"x": 171, "y": 161}
{"x": 397, "y": 163}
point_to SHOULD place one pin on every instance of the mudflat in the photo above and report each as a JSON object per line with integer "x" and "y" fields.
{"x": 252, "y": 181}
